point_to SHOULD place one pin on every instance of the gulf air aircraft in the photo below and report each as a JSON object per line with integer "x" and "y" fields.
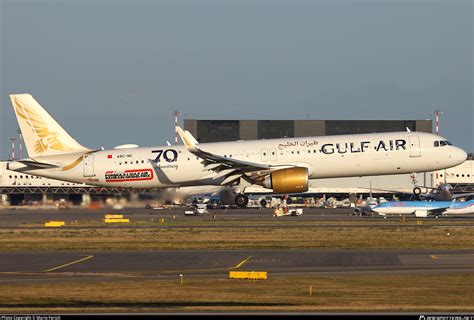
{"x": 283, "y": 165}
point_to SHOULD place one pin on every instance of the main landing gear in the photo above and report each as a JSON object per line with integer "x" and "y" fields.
{"x": 241, "y": 200}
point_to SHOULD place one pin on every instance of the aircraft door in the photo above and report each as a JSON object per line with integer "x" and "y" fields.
{"x": 415, "y": 150}
{"x": 89, "y": 165}
{"x": 264, "y": 153}
{"x": 273, "y": 154}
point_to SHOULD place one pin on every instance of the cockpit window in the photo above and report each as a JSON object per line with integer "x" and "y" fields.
{"x": 442, "y": 143}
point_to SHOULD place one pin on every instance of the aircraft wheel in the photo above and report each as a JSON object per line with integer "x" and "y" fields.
{"x": 241, "y": 200}
{"x": 263, "y": 203}
{"x": 417, "y": 191}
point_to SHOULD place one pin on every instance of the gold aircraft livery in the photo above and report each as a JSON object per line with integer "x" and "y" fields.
{"x": 283, "y": 165}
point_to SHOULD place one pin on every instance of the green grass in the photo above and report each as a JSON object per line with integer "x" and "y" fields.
{"x": 234, "y": 238}
{"x": 367, "y": 293}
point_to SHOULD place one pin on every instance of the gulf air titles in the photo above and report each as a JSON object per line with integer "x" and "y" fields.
{"x": 284, "y": 165}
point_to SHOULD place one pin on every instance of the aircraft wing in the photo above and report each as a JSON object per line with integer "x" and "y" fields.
{"x": 462, "y": 195}
{"x": 230, "y": 168}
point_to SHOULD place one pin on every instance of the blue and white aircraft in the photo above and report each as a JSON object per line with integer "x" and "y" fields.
{"x": 423, "y": 209}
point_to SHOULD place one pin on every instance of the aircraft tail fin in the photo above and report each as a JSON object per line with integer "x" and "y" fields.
{"x": 43, "y": 136}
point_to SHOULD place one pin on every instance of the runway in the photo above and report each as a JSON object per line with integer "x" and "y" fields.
{"x": 204, "y": 263}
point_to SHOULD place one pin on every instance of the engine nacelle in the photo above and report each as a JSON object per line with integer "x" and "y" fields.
{"x": 421, "y": 213}
{"x": 291, "y": 180}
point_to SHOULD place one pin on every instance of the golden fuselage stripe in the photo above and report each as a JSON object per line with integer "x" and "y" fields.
{"x": 68, "y": 264}
{"x": 73, "y": 164}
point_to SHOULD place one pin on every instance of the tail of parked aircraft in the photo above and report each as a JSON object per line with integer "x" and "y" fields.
{"x": 43, "y": 136}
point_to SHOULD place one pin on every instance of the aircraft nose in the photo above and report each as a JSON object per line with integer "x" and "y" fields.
{"x": 458, "y": 155}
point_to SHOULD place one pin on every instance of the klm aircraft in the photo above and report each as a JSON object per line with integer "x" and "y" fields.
{"x": 423, "y": 209}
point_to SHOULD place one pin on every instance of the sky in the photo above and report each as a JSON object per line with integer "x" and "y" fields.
{"x": 111, "y": 72}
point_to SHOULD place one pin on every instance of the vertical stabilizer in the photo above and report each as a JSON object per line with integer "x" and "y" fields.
{"x": 43, "y": 136}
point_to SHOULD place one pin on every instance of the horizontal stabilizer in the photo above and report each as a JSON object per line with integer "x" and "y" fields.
{"x": 26, "y": 165}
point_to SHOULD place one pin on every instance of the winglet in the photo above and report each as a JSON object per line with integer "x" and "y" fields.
{"x": 408, "y": 129}
{"x": 189, "y": 142}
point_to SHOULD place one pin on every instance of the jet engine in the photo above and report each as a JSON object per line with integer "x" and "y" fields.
{"x": 421, "y": 213}
{"x": 291, "y": 180}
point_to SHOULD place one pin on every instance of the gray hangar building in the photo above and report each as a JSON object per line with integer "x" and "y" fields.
{"x": 232, "y": 130}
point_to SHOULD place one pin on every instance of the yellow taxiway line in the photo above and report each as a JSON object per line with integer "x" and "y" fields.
{"x": 241, "y": 263}
{"x": 68, "y": 264}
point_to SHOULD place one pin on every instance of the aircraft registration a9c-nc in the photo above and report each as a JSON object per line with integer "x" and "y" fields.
{"x": 283, "y": 165}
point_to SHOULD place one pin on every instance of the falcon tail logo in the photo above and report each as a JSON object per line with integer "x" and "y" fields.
{"x": 46, "y": 139}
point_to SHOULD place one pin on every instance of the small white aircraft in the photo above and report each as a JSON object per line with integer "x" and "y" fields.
{"x": 283, "y": 165}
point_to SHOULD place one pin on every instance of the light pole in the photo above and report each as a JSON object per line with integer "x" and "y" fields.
{"x": 21, "y": 143}
{"x": 13, "y": 148}
{"x": 176, "y": 115}
{"x": 436, "y": 113}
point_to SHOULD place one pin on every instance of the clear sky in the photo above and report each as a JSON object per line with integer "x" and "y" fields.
{"x": 111, "y": 72}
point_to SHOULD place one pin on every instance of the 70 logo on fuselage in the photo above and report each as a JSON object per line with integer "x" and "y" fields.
{"x": 169, "y": 155}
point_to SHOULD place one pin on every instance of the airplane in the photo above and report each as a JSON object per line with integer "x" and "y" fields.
{"x": 443, "y": 192}
{"x": 284, "y": 165}
{"x": 423, "y": 209}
